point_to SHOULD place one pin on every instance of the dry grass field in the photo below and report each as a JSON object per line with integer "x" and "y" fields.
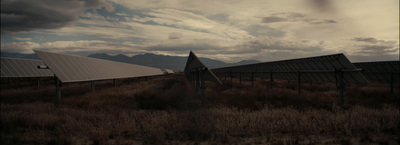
{"x": 166, "y": 110}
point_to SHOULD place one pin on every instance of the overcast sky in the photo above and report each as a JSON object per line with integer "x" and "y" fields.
{"x": 227, "y": 30}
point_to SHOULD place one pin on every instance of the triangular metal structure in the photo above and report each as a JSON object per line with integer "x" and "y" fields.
{"x": 197, "y": 73}
{"x": 193, "y": 64}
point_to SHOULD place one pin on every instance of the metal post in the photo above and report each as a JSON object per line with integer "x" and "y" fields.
{"x": 38, "y": 81}
{"x": 92, "y": 86}
{"x": 138, "y": 79}
{"x": 240, "y": 78}
{"x": 341, "y": 88}
{"x": 203, "y": 87}
{"x": 129, "y": 81}
{"x": 252, "y": 79}
{"x": 197, "y": 80}
{"x": 193, "y": 80}
{"x": 225, "y": 76}
{"x": 231, "y": 75}
{"x": 9, "y": 81}
{"x": 272, "y": 80}
{"x": 391, "y": 82}
{"x": 114, "y": 83}
{"x": 58, "y": 90}
{"x": 298, "y": 82}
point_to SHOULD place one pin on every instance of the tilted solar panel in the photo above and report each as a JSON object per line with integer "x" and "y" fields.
{"x": 169, "y": 71}
{"x": 384, "y": 71}
{"x": 69, "y": 68}
{"x": 318, "y": 69}
{"x": 193, "y": 64}
{"x": 14, "y": 67}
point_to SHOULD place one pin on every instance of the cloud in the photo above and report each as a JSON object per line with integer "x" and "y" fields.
{"x": 22, "y": 39}
{"x": 273, "y": 19}
{"x": 21, "y": 47}
{"x": 175, "y": 35}
{"x": 322, "y": 5}
{"x": 373, "y": 49}
{"x": 365, "y": 39}
{"x": 295, "y": 17}
{"x": 27, "y": 15}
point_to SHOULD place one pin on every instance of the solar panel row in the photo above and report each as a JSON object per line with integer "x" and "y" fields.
{"x": 382, "y": 71}
{"x": 13, "y": 67}
{"x": 317, "y": 69}
{"x": 69, "y": 68}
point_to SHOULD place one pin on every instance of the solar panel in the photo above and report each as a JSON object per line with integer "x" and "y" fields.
{"x": 69, "y": 68}
{"x": 193, "y": 64}
{"x": 382, "y": 71}
{"x": 13, "y": 67}
{"x": 169, "y": 71}
{"x": 317, "y": 69}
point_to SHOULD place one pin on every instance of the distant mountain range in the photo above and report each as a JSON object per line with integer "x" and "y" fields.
{"x": 176, "y": 63}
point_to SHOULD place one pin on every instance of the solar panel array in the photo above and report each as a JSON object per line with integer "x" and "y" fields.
{"x": 383, "y": 71}
{"x": 194, "y": 65}
{"x": 13, "y": 67}
{"x": 317, "y": 69}
{"x": 69, "y": 68}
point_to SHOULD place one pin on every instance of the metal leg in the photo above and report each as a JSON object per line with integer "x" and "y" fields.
{"x": 341, "y": 88}
{"x": 197, "y": 81}
{"x": 252, "y": 79}
{"x": 203, "y": 87}
{"x": 58, "y": 90}
{"x": 391, "y": 82}
{"x": 299, "y": 82}
{"x": 231, "y": 76}
{"x": 114, "y": 83}
{"x": 92, "y": 86}
{"x": 240, "y": 78}
{"x": 272, "y": 80}
{"x": 38, "y": 81}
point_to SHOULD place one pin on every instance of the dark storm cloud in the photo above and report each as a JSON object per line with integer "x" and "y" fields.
{"x": 27, "y": 15}
{"x": 295, "y": 17}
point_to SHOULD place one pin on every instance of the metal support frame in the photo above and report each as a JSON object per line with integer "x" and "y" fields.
{"x": 299, "y": 82}
{"x": 271, "y": 80}
{"x": 92, "y": 86}
{"x": 38, "y": 81}
{"x": 58, "y": 90}
{"x": 225, "y": 76}
{"x": 231, "y": 75}
{"x": 252, "y": 79}
{"x": 193, "y": 80}
{"x": 203, "y": 86}
{"x": 197, "y": 80}
{"x": 240, "y": 78}
{"x": 341, "y": 87}
{"x": 391, "y": 82}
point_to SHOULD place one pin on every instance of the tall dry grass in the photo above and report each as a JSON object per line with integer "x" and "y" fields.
{"x": 166, "y": 110}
